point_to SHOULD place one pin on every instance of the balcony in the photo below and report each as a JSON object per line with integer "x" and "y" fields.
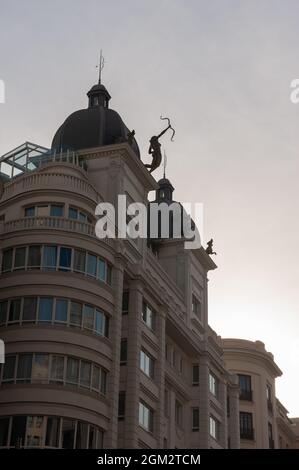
{"x": 246, "y": 395}
{"x": 247, "y": 434}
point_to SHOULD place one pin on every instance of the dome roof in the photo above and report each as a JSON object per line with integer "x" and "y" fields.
{"x": 95, "y": 126}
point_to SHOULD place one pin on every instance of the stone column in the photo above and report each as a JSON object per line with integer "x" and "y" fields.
{"x": 172, "y": 424}
{"x": 204, "y": 403}
{"x": 234, "y": 420}
{"x": 160, "y": 377}
{"x": 111, "y": 436}
{"x": 223, "y": 425}
{"x": 133, "y": 358}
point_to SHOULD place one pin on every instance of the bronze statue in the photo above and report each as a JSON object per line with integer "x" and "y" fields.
{"x": 209, "y": 249}
{"x": 155, "y": 147}
{"x": 130, "y": 137}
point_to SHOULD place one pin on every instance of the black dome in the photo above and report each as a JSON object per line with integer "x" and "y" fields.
{"x": 93, "y": 127}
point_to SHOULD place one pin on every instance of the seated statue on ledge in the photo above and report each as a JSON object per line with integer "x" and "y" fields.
{"x": 209, "y": 249}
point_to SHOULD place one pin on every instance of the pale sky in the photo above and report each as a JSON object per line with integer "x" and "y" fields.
{"x": 221, "y": 70}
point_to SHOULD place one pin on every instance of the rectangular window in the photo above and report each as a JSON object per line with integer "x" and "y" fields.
{"x": 178, "y": 413}
{"x": 9, "y": 369}
{"x": 82, "y": 217}
{"x": 79, "y": 261}
{"x": 72, "y": 372}
{"x": 270, "y": 435}
{"x": 85, "y": 371}
{"x": 73, "y": 213}
{"x": 3, "y": 312}
{"x": 30, "y": 211}
{"x": 88, "y": 316}
{"x": 195, "y": 419}
{"x": 68, "y": 433}
{"x": 103, "y": 381}
{"x": 20, "y": 257}
{"x": 121, "y": 405}
{"x": 195, "y": 374}
{"x": 245, "y": 387}
{"x": 91, "y": 265}
{"x": 14, "y": 310}
{"x": 246, "y": 425}
{"x": 146, "y": 364}
{"x": 123, "y": 351}
{"x": 40, "y": 368}
{"x": 96, "y": 378}
{"x": 18, "y": 430}
{"x": 57, "y": 368}
{"x": 101, "y": 323}
{"x": 24, "y": 368}
{"x": 148, "y": 316}
{"x": 52, "y": 433}
{"x": 213, "y": 385}
{"x": 61, "y": 310}
{"x": 29, "y": 309}
{"x": 214, "y": 428}
{"x": 50, "y": 258}
{"x": 146, "y": 417}
{"x": 7, "y": 260}
{"x": 4, "y": 425}
{"x": 125, "y": 302}
{"x": 56, "y": 210}
{"x": 76, "y": 314}
{"x": 45, "y": 309}
{"x": 81, "y": 435}
{"x": 102, "y": 270}
{"x": 65, "y": 259}
{"x": 196, "y": 307}
{"x": 34, "y": 256}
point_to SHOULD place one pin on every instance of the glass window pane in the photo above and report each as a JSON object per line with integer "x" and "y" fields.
{"x": 56, "y": 210}
{"x": 45, "y": 309}
{"x": 82, "y": 217}
{"x": 7, "y": 260}
{"x": 57, "y": 368}
{"x": 61, "y": 310}
{"x": 73, "y": 213}
{"x": 34, "y": 256}
{"x": 34, "y": 431}
{"x": 72, "y": 373}
{"x": 20, "y": 256}
{"x": 9, "y": 369}
{"x": 103, "y": 381}
{"x": 96, "y": 372}
{"x": 85, "y": 374}
{"x": 17, "y": 438}
{"x": 88, "y": 315}
{"x": 14, "y": 310}
{"x": 92, "y": 439}
{"x": 24, "y": 368}
{"x": 65, "y": 259}
{"x": 101, "y": 270}
{"x": 3, "y": 312}
{"x": 40, "y": 368}
{"x": 29, "y": 309}
{"x": 68, "y": 433}
{"x": 76, "y": 313}
{"x": 79, "y": 261}
{"x": 4, "y": 424}
{"x": 52, "y": 434}
{"x": 50, "y": 257}
{"x": 30, "y": 211}
{"x": 81, "y": 436}
{"x": 91, "y": 265}
{"x": 100, "y": 323}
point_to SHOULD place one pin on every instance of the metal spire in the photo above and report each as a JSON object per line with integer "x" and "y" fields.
{"x": 101, "y": 66}
{"x": 164, "y": 164}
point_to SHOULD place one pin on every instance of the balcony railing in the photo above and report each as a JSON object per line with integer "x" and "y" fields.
{"x": 247, "y": 434}
{"x": 246, "y": 395}
{"x": 29, "y": 223}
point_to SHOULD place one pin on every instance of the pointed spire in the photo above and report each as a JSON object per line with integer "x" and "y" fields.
{"x": 101, "y": 67}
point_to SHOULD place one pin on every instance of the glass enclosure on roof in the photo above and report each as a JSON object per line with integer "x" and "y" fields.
{"x": 29, "y": 157}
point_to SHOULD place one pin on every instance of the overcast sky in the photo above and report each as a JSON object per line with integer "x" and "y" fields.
{"x": 221, "y": 70}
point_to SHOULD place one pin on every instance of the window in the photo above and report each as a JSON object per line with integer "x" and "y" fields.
{"x": 9, "y": 369}
{"x": 213, "y": 384}
{"x": 7, "y": 260}
{"x": 73, "y": 213}
{"x": 68, "y": 433}
{"x": 195, "y": 374}
{"x": 30, "y": 211}
{"x": 79, "y": 261}
{"x": 123, "y": 351}
{"x": 3, "y": 312}
{"x": 246, "y": 426}
{"x": 88, "y": 317}
{"x": 29, "y": 309}
{"x": 40, "y": 368}
{"x": 148, "y": 316}
{"x": 146, "y": 363}
{"x": 245, "y": 387}
{"x": 269, "y": 397}
{"x": 121, "y": 405}
{"x": 76, "y": 314}
{"x": 14, "y": 310}
{"x": 57, "y": 367}
{"x": 4, "y": 426}
{"x": 91, "y": 265}
{"x": 61, "y": 308}
{"x": 17, "y": 437}
{"x": 34, "y": 256}
{"x": 270, "y": 435}
{"x": 102, "y": 270}
{"x": 85, "y": 374}
{"x": 214, "y": 428}
{"x": 49, "y": 258}
{"x": 45, "y": 309}
{"x": 101, "y": 324}
{"x": 178, "y": 413}
{"x": 125, "y": 302}
{"x": 195, "y": 419}
{"x": 56, "y": 210}
{"x": 146, "y": 417}
{"x": 24, "y": 368}
{"x": 65, "y": 259}
{"x": 52, "y": 433}
{"x": 72, "y": 371}
{"x": 196, "y": 307}
{"x": 20, "y": 257}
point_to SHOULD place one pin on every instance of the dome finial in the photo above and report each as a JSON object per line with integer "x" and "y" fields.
{"x": 101, "y": 66}
{"x": 164, "y": 164}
